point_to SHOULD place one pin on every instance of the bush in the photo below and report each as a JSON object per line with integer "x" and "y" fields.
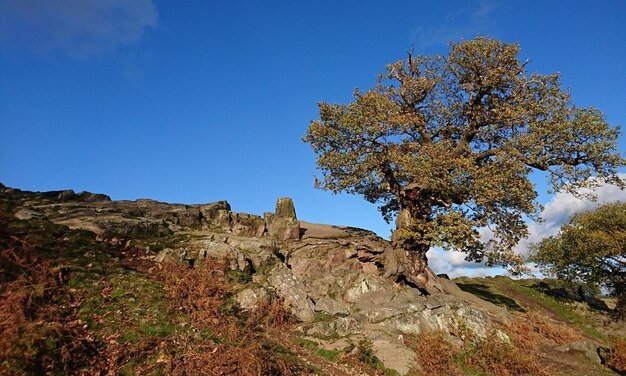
{"x": 36, "y": 334}
{"x": 493, "y": 354}
{"x": 436, "y": 355}
{"x": 234, "y": 341}
{"x": 616, "y": 359}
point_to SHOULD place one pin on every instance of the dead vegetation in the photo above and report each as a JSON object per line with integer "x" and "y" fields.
{"x": 71, "y": 313}
{"x": 39, "y": 330}
{"x": 229, "y": 341}
{"x": 436, "y": 354}
{"x": 616, "y": 359}
{"x": 63, "y": 312}
{"x": 494, "y": 354}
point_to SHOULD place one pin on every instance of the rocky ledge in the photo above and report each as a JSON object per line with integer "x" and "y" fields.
{"x": 340, "y": 282}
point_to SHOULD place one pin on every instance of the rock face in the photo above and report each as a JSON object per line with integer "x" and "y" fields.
{"x": 27, "y": 214}
{"x": 283, "y": 224}
{"x": 285, "y": 208}
{"x": 341, "y": 282}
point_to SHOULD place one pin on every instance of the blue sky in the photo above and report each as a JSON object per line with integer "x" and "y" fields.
{"x": 209, "y": 100}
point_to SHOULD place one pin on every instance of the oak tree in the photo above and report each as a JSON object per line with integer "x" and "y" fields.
{"x": 447, "y": 144}
{"x": 590, "y": 248}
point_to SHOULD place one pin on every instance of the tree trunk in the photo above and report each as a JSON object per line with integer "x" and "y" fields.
{"x": 620, "y": 308}
{"x": 415, "y": 270}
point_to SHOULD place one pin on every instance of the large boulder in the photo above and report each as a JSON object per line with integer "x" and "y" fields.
{"x": 285, "y": 208}
{"x": 283, "y": 224}
{"x": 216, "y": 215}
{"x": 292, "y": 291}
{"x": 282, "y": 228}
{"x": 251, "y": 298}
{"x": 247, "y": 225}
{"x": 28, "y": 214}
{"x": 92, "y": 197}
{"x": 341, "y": 282}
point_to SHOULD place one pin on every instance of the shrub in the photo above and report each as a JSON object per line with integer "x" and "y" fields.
{"x": 616, "y": 359}
{"x": 36, "y": 334}
{"x": 436, "y": 355}
{"x": 235, "y": 341}
{"x": 492, "y": 354}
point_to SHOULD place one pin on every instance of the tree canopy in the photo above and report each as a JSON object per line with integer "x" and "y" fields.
{"x": 590, "y": 248}
{"x": 447, "y": 143}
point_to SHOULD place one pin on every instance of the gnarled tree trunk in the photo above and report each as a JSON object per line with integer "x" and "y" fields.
{"x": 415, "y": 270}
{"x": 620, "y": 308}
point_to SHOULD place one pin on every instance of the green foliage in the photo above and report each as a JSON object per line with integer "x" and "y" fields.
{"x": 307, "y": 344}
{"x": 451, "y": 142}
{"x": 238, "y": 276}
{"x": 590, "y": 248}
{"x": 366, "y": 355}
{"x": 330, "y": 355}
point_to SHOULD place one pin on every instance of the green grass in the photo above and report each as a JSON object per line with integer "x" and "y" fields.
{"x": 566, "y": 312}
{"x": 307, "y": 344}
{"x": 330, "y": 355}
{"x": 498, "y": 290}
{"x": 238, "y": 276}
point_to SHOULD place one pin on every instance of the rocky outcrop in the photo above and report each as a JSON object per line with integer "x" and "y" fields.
{"x": 26, "y": 214}
{"x": 144, "y": 217}
{"x": 216, "y": 215}
{"x": 285, "y": 208}
{"x": 247, "y": 225}
{"x": 252, "y": 297}
{"x": 283, "y": 224}
{"x": 344, "y": 284}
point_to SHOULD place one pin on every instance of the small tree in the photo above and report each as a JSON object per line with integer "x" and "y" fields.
{"x": 447, "y": 144}
{"x": 591, "y": 248}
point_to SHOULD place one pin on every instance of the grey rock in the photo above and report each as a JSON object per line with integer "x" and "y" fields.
{"x": 247, "y": 225}
{"x": 171, "y": 255}
{"x": 66, "y": 195}
{"x": 252, "y": 297}
{"x": 332, "y": 306}
{"x": 393, "y": 353}
{"x": 285, "y": 208}
{"x": 495, "y": 312}
{"x": 340, "y": 327}
{"x": 92, "y": 197}
{"x": 28, "y": 214}
{"x": 348, "y": 276}
{"x": 282, "y": 228}
{"x": 589, "y": 349}
{"x": 216, "y": 215}
{"x": 293, "y": 292}
{"x": 210, "y": 248}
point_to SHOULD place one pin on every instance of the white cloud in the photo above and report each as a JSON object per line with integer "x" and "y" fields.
{"x": 556, "y": 212}
{"x": 454, "y": 265}
{"x": 562, "y": 207}
{"x": 466, "y": 22}
{"x": 75, "y": 27}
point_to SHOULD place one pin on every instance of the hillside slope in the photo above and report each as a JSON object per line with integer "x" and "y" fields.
{"x": 100, "y": 286}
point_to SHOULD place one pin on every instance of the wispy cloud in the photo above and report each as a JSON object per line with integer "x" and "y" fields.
{"x": 77, "y": 28}
{"x": 463, "y": 23}
{"x": 556, "y": 213}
